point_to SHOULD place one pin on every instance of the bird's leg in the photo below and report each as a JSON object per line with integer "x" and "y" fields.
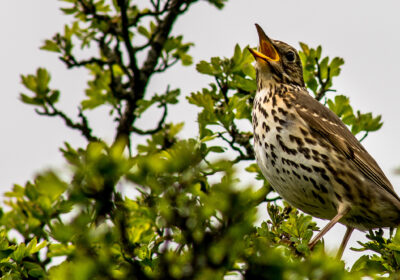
{"x": 331, "y": 223}
{"x": 346, "y": 238}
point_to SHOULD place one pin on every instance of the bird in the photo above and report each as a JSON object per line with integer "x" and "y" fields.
{"x": 308, "y": 155}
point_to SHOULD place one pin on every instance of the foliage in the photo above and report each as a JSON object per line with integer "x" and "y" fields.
{"x": 171, "y": 208}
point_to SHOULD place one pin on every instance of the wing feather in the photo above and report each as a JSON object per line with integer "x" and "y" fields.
{"x": 335, "y": 131}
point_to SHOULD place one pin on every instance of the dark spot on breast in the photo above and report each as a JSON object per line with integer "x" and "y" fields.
{"x": 324, "y": 157}
{"x": 305, "y": 178}
{"x": 318, "y": 169}
{"x": 295, "y": 174}
{"x": 263, "y": 111}
{"x": 310, "y": 141}
{"x": 273, "y": 101}
{"x": 317, "y": 196}
{"x": 296, "y": 139}
{"x": 266, "y": 146}
{"x": 342, "y": 183}
{"x": 315, "y": 185}
{"x": 273, "y": 112}
{"x": 306, "y": 168}
{"x": 255, "y": 119}
{"x": 287, "y": 103}
{"x": 282, "y": 111}
{"x": 303, "y": 131}
{"x": 323, "y": 188}
{"x": 338, "y": 197}
{"x": 279, "y": 129}
{"x": 283, "y": 122}
{"x": 290, "y": 162}
{"x": 272, "y": 147}
{"x": 325, "y": 177}
{"x": 285, "y": 148}
{"x": 330, "y": 168}
{"x": 266, "y": 127}
{"x": 304, "y": 151}
{"x": 272, "y": 163}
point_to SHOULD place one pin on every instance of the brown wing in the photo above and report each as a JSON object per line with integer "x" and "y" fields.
{"x": 335, "y": 131}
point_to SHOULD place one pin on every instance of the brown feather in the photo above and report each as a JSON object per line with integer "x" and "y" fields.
{"x": 335, "y": 131}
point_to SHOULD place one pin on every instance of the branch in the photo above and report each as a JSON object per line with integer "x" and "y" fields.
{"x": 231, "y": 144}
{"x": 166, "y": 65}
{"x": 364, "y": 136}
{"x": 142, "y": 75}
{"x": 244, "y": 141}
{"x": 159, "y": 126}
{"x": 83, "y": 126}
{"x": 126, "y": 37}
{"x": 321, "y": 93}
{"x": 71, "y": 61}
{"x": 272, "y": 199}
{"x": 224, "y": 90}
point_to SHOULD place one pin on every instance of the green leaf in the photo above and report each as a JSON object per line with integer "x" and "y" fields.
{"x": 142, "y": 30}
{"x": 19, "y": 253}
{"x": 205, "y": 68}
{"x": 69, "y": 11}
{"x": 51, "y": 46}
{"x": 43, "y": 79}
{"x": 305, "y": 48}
{"x": 31, "y": 100}
{"x": 29, "y": 82}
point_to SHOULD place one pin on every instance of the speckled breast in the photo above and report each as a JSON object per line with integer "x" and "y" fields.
{"x": 290, "y": 159}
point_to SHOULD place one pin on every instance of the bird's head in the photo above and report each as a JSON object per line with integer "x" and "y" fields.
{"x": 276, "y": 60}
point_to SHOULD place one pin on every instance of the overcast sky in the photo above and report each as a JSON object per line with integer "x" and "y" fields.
{"x": 364, "y": 33}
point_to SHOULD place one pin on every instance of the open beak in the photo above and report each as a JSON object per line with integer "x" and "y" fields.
{"x": 266, "y": 51}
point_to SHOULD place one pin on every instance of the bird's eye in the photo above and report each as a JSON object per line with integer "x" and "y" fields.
{"x": 290, "y": 56}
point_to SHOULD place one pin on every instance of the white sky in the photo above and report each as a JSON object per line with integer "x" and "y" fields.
{"x": 364, "y": 33}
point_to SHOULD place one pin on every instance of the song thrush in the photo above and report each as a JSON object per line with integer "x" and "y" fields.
{"x": 308, "y": 154}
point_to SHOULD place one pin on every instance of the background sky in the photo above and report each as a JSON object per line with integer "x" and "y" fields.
{"x": 364, "y": 33}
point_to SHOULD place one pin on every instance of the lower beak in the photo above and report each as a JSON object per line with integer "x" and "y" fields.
{"x": 267, "y": 51}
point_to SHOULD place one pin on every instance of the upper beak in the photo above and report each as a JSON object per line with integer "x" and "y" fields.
{"x": 266, "y": 50}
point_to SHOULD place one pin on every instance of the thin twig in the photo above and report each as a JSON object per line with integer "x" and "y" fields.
{"x": 273, "y": 199}
{"x": 364, "y": 136}
{"x": 159, "y": 126}
{"x": 83, "y": 126}
{"x": 321, "y": 93}
{"x": 224, "y": 90}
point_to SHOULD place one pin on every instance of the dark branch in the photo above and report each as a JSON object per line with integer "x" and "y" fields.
{"x": 127, "y": 38}
{"x": 142, "y": 75}
{"x": 83, "y": 126}
{"x": 71, "y": 61}
{"x": 323, "y": 90}
{"x": 159, "y": 126}
{"x": 166, "y": 64}
{"x": 364, "y": 136}
{"x": 232, "y": 144}
{"x": 272, "y": 199}
{"x": 224, "y": 90}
